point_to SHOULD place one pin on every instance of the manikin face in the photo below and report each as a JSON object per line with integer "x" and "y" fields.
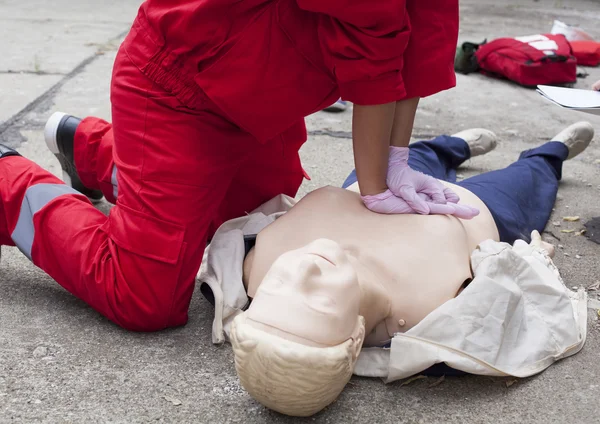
{"x": 310, "y": 295}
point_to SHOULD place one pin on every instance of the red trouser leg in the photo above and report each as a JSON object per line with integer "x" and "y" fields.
{"x": 93, "y": 147}
{"x": 175, "y": 164}
{"x": 273, "y": 168}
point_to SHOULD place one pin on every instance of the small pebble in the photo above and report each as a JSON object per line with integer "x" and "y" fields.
{"x": 40, "y": 352}
{"x": 574, "y": 287}
{"x": 556, "y": 223}
{"x": 560, "y": 246}
{"x": 590, "y": 185}
{"x": 566, "y": 254}
{"x": 577, "y": 256}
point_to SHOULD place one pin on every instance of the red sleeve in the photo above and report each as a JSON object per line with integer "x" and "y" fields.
{"x": 364, "y": 42}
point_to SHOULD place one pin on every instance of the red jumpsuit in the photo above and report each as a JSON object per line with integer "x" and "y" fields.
{"x": 208, "y": 105}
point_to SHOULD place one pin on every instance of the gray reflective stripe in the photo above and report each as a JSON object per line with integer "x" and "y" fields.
{"x": 36, "y": 197}
{"x": 113, "y": 181}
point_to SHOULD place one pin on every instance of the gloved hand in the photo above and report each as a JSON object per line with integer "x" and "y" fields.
{"x": 388, "y": 203}
{"x": 408, "y": 184}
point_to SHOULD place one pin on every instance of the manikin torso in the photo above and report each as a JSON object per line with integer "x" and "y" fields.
{"x": 418, "y": 262}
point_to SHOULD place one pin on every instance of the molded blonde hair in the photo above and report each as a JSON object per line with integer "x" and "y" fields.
{"x": 289, "y": 377}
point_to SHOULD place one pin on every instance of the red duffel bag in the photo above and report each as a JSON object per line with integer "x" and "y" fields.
{"x": 529, "y": 61}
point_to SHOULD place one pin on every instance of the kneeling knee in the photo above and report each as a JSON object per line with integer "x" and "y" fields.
{"x": 145, "y": 318}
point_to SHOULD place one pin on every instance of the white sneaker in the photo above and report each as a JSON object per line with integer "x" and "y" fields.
{"x": 480, "y": 140}
{"x": 576, "y": 137}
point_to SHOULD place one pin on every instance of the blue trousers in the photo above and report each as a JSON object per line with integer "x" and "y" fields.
{"x": 520, "y": 196}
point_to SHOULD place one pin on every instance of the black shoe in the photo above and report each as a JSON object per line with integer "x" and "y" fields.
{"x": 7, "y": 151}
{"x": 60, "y": 134}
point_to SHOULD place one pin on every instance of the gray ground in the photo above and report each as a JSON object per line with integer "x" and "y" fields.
{"x": 62, "y": 362}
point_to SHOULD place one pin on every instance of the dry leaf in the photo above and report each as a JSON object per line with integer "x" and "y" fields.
{"x": 594, "y": 287}
{"x": 173, "y": 400}
{"x": 438, "y": 381}
{"x": 570, "y": 218}
{"x": 510, "y": 382}
{"x": 567, "y": 231}
{"x": 410, "y": 380}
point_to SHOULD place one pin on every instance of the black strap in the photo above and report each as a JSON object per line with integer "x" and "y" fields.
{"x": 7, "y": 151}
{"x": 249, "y": 243}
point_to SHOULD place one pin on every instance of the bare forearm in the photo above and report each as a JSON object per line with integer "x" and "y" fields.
{"x": 404, "y": 119}
{"x": 371, "y": 134}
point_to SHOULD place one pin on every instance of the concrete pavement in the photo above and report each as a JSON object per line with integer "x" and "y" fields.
{"x": 62, "y": 362}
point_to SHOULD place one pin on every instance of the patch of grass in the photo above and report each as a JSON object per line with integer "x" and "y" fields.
{"x": 37, "y": 67}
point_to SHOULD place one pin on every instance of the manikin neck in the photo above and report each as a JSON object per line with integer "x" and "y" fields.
{"x": 375, "y": 300}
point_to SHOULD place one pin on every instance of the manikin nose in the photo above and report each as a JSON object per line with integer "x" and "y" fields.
{"x": 309, "y": 267}
{"x": 328, "y": 248}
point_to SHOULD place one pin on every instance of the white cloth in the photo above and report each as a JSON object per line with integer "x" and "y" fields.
{"x": 515, "y": 318}
{"x": 223, "y": 261}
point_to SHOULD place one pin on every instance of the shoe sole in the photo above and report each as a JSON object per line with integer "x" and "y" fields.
{"x": 50, "y": 131}
{"x": 335, "y": 109}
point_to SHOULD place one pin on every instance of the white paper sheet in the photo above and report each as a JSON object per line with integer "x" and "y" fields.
{"x": 587, "y": 101}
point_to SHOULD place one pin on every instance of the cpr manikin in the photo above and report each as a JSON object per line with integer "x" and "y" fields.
{"x": 330, "y": 277}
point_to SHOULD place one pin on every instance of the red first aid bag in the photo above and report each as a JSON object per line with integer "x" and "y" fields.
{"x": 529, "y": 61}
{"x": 587, "y": 53}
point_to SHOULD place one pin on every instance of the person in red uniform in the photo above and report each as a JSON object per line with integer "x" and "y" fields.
{"x": 208, "y": 105}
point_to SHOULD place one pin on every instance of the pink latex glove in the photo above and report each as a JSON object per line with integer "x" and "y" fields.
{"x": 388, "y": 203}
{"x": 405, "y": 183}
{"x": 415, "y": 192}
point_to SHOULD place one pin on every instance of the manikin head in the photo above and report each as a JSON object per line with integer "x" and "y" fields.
{"x": 296, "y": 346}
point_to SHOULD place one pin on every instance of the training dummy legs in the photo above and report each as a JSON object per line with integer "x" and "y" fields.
{"x": 521, "y": 196}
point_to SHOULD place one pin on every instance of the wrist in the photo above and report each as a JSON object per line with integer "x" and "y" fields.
{"x": 398, "y": 154}
{"x": 372, "y": 189}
